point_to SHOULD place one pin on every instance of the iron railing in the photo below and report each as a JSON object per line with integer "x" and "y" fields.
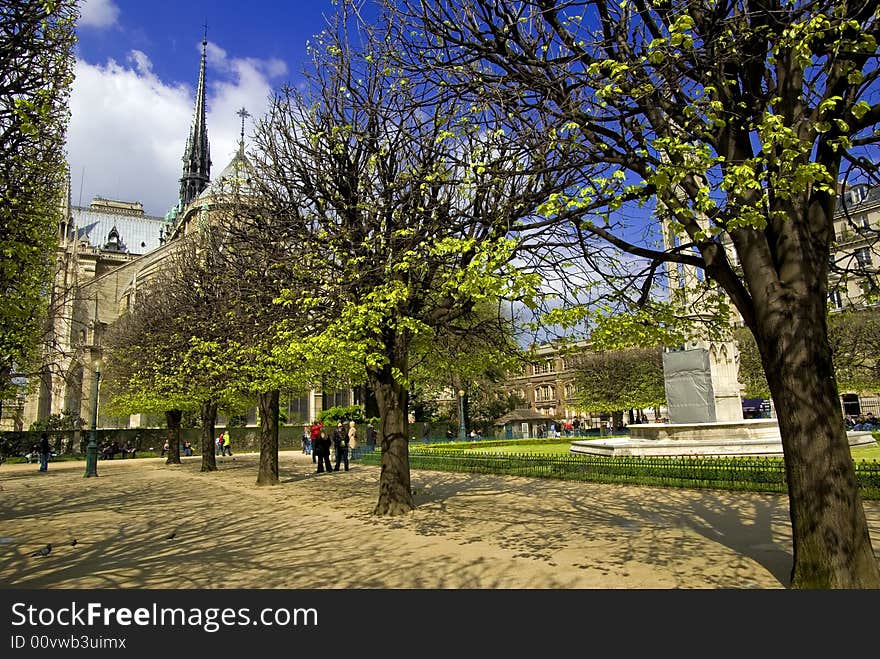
{"x": 757, "y": 474}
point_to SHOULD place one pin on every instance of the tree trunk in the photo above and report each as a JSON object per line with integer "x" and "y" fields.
{"x": 209, "y": 428}
{"x": 831, "y": 543}
{"x": 268, "y": 402}
{"x": 395, "y": 493}
{"x": 172, "y": 420}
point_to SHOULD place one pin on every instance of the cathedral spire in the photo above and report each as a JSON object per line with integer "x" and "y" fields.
{"x": 197, "y": 155}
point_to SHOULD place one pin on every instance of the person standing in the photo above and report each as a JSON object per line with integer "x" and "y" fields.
{"x": 371, "y": 437}
{"x": 322, "y": 451}
{"x": 315, "y": 435}
{"x": 340, "y": 445}
{"x": 227, "y": 444}
{"x": 45, "y": 451}
{"x": 352, "y": 436}
{"x": 306, "y": 441}
{"x": 187, "y": 448}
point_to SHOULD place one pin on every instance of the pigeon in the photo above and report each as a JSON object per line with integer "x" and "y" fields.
{"x": 44, "y": 551}
{"x": 73, "y": 543}
{"x": 171, "y": 535}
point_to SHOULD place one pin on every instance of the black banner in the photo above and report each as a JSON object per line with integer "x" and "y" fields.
{"x": 405, "y": 621}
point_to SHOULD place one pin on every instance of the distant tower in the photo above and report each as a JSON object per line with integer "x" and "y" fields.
{"x": 197, "y": 155}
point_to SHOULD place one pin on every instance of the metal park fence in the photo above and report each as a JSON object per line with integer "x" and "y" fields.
{"x": 755, "y": 474}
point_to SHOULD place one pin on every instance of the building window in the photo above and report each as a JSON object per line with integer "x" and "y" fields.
{"x": 835, "y": 299}
{"x": 543, "y": 393}
{"x": 570, "y": 390}
{"x": 863, "y": 256}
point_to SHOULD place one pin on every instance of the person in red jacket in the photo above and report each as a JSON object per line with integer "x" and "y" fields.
{"x": 314, "y": 434}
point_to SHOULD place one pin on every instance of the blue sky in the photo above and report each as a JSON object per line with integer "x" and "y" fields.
{"x": 136, "y": 73}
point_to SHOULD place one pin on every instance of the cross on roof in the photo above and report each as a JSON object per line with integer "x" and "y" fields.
{"x": 243, "y": 114}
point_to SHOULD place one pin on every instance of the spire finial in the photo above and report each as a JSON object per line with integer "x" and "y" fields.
{"x": 205, "y": 37}
{"x": 197, "y": 155}
{"x": 243, "y": 113}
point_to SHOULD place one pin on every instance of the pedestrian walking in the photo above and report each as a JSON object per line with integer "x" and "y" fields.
{"x": 227, "y": 444}
{"x": 45, "y": 452}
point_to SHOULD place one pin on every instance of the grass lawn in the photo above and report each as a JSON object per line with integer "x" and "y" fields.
{"x": 526, "y": 447}
{"x": 82, "y": 458}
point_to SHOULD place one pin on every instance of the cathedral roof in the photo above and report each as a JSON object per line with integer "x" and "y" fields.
{"x": 138, "y": 234}
{"x": 235, "y": 176}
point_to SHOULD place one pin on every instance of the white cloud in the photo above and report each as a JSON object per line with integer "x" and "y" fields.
{"x": 128, "y": 128}
{"x": 98, "y": 13}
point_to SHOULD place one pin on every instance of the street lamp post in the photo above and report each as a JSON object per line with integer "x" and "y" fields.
{"x": 462, "y": 428}
{"x": 92, "y": 447}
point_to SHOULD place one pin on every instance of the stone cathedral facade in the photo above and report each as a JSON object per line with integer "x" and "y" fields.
{"x": 106, "y": 252}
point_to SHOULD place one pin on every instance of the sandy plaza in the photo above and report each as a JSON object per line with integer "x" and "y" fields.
{"x": 317, "y": 531}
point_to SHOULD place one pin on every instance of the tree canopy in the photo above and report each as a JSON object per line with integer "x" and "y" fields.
{"x": 36, "y": 71}
{"x": 728, "y": 124}
{"x": 855, "y": 339}
{"x": 391, "y": 202}
{"x": 615, "y": 380}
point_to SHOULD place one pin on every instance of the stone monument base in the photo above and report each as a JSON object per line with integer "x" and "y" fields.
{"x": 717, "y": 438}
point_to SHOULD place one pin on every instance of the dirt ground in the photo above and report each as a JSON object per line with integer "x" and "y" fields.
{"x": 468, "y": 531}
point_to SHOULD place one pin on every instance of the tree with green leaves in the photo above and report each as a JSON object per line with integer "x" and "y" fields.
{"x": 386, "y": 193}
{"x": 36, "y": 72}
{"x": 751, "y": 369}
{"x": 855, "y": 342}
{"x": 473, "y": 353}
{"x": 616, "y": 380}
{"x": 854, "y": 335}
{"x": 168, "y": 353}
{"x": 709, "y": 136}
{"x": 253, "y": 260}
